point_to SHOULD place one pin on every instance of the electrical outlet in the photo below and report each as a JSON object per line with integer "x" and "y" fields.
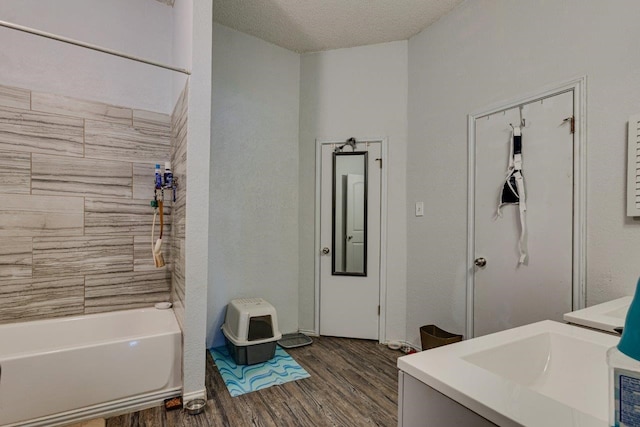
{"x": 419, "y": 208}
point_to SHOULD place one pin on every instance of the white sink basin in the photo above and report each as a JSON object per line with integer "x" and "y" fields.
{"x": 564, "y": 368}
{"x": 543, "y": 374}
{"x": 605, "y": 316}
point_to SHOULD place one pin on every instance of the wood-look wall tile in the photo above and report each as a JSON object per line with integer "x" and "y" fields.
{"x": 73, "y": 256}
{"x": 179, "y": 147}
{"x": 15, "y": 172}
{"x": 15, "y": 257}
{"x": 118, "y": 142}
{"x": 64, "y": 105}
{"x": 122, "y": 217}
{"x": 179, "y": 119}
{"x": 143, "y": 182}
{"x": 29, "y": 131}
{"x": 142, "y": 255}
{"x": 109, "y": 292}
{"x": 177, "y": 285}
{"x": 177, "y": 270}
{"x": 178, "y": 217}
{"x": 57, "y": 175}
{"x": 29, "y": 216}
{"x": 14, "y": 97}
{"x": 30, "y": 299}
{"x": 152, "y": 120}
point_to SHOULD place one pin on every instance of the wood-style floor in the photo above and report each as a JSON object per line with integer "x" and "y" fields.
{"x": 352, "y": 383}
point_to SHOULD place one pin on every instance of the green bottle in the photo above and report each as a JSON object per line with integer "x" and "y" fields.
{"x": 624, "y": 371}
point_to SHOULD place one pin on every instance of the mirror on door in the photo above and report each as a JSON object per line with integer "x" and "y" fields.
{"x": 349, "y": 214}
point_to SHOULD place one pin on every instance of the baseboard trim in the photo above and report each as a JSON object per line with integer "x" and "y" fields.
{"x": 402, "y": 342}
{"x": 308, "y": 332}
{"x": 103, "y": 410}
{"x": 200, "y": 394}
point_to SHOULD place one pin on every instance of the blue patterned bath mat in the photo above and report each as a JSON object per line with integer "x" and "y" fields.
{"x": 241, "y": 379}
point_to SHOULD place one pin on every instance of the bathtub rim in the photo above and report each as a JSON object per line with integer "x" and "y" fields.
{"x": 172, "y": 329}
{"x": 64, "y": 319}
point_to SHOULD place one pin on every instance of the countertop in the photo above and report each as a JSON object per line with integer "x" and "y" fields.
{"x": 524, "y": 401}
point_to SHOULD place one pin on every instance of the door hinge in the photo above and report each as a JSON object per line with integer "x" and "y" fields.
{"x": 379, "y": 160}
{"x": 378, "y": 310}
{"x": 572, "y": 122}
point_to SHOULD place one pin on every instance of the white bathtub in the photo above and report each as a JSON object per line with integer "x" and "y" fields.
{"x": 73, "y": 368}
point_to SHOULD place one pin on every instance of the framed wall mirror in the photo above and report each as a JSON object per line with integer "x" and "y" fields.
{"x": 349, "y": 214}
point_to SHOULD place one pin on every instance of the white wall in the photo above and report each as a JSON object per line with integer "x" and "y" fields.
{"x": 181, "y": 44}
{"x": 195, "y": 31}
{"x": 254, "y": 177}
{"x": 141, "y": 27}
{"x": 359, "y": 92}
{"x": 491, "y": 50}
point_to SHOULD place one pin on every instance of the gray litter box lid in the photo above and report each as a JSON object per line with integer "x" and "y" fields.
{"x": 296, "y": 339}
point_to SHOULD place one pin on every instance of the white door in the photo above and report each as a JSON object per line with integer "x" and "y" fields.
{"x": 350, "y": 293}
{"x": 354, "y": 236}
{"x": 506, "y": 294}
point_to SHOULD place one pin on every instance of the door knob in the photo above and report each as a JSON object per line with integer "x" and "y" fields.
{"x": 480, "y": 262}
{"x": 325, "y": 251}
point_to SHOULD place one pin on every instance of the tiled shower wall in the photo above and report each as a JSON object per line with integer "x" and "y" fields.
{"x": 179, "y": 165}
{"x": 76, "y": 179}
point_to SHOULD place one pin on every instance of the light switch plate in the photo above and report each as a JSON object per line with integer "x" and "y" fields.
{"x": 419, "y": 208}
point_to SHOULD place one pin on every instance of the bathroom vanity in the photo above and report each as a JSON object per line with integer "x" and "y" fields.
{"x": 543, "y": 374}
{"x": 603, "y": 317}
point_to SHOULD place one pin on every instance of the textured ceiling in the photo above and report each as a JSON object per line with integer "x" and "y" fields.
{"x": 314, "y": 25}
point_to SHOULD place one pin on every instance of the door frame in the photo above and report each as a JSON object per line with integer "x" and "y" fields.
{"x": 382, "y": 318}
{"x": 579, "y": 87}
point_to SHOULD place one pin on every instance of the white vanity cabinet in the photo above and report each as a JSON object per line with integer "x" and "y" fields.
{"x": 546, "y": 374}
{"x": 421, "y": 406}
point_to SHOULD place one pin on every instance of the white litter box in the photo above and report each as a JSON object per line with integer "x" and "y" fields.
{"x": 251, "y": 330}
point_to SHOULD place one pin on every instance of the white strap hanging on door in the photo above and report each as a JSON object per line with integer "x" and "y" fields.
{"x": 513, "y": 192}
